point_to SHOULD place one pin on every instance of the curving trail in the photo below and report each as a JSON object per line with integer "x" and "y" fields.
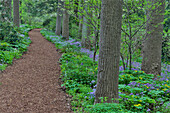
{"x": 31, "y": 84}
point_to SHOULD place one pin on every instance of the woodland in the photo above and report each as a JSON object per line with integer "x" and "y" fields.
{"x": 115, "y": 53}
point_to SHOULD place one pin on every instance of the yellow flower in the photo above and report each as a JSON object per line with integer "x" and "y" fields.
{"x": 164, "y": 89}
{"x": 140, "y": 100}
{"x": 135, "y": 71}
{"x": 143, "y": 71}
{"x": 157, "y": 89}
{"x": 147, "y": 87}
{"x": 137, "y": 105}
{"x": 168, "y": 94}
{"x": 132, "y": 95}
{"x": 140, "y": 77}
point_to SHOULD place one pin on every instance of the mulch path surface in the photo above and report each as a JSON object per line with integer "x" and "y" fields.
{"x": 32, "y": 84}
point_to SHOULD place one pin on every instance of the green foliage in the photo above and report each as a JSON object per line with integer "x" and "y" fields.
{"x": 105, "y": 108}
{"x": 14, "y": 45}
{"x": 138, "y": 91}
{"x": 3, "y": 67}
{"x": 79, "y": 68}
{"x": 74, "y": 31}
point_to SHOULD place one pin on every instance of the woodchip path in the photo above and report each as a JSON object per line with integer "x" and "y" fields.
{"x": 31, "y": 84}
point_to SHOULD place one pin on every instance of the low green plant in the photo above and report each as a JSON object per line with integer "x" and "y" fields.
{"x": 138, "y": 92}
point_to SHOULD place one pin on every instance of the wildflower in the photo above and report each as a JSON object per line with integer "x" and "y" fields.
{"x": 137, "y": 105}
{"x": 93, "y": 81}
{"x": 157, "y": 89}
{"x": 148, "y": 109}
{"x": 164, "y": 89}
{"x": 140, "y": 100}
{"x": 131, "y": 93}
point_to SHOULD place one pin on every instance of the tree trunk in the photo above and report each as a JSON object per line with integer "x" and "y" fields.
{"x": 10, "y": 9}
{"x": 16, "y": 12}
{"x": 151, "y": 62}
{"x": 86, "y": 30}
{"x": 65, "y": 28}
{"x": 80, "y": 27}
{"x": 59, "y": 17}
{"x": 109, "y": 51}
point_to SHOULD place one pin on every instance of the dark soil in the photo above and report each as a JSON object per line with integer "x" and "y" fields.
{"x": 32, "y": 84}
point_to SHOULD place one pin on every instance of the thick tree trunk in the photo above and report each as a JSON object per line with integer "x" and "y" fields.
{"x": 109, "y": 51}
{"x": 151, "y": 62}
{"x": 88, "y": 43}
{"x": 59, "y": 17}
{"x": 86, "y": 31}
{"x": 65, "y": 28}
{"x": 16, "y": 12}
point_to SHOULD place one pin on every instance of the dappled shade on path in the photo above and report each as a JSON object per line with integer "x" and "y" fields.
{"x": 31, "y": 84}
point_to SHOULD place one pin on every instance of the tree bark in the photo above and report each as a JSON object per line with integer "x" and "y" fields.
{"x": 109, "y": 51}
{"x": 151, "y": 62}
{"x": 16, "y": 12}
{"x": 80, "y": 27}
{"x": 65, "y": 29}
{"x": 86, "y": 30}
{"x": 9, "y": 4}
{"x": 59, "y": 17}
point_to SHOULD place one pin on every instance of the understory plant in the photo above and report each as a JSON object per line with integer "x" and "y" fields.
{"x": 13, "y": 45}
{"x": 138, "y": 92}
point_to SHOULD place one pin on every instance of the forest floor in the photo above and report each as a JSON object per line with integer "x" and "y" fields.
{"x": 32, "y": 84}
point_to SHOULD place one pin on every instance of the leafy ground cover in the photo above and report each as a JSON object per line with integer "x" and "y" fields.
{"x": 14, "y": 45}
{"x": 138, "y": 92}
